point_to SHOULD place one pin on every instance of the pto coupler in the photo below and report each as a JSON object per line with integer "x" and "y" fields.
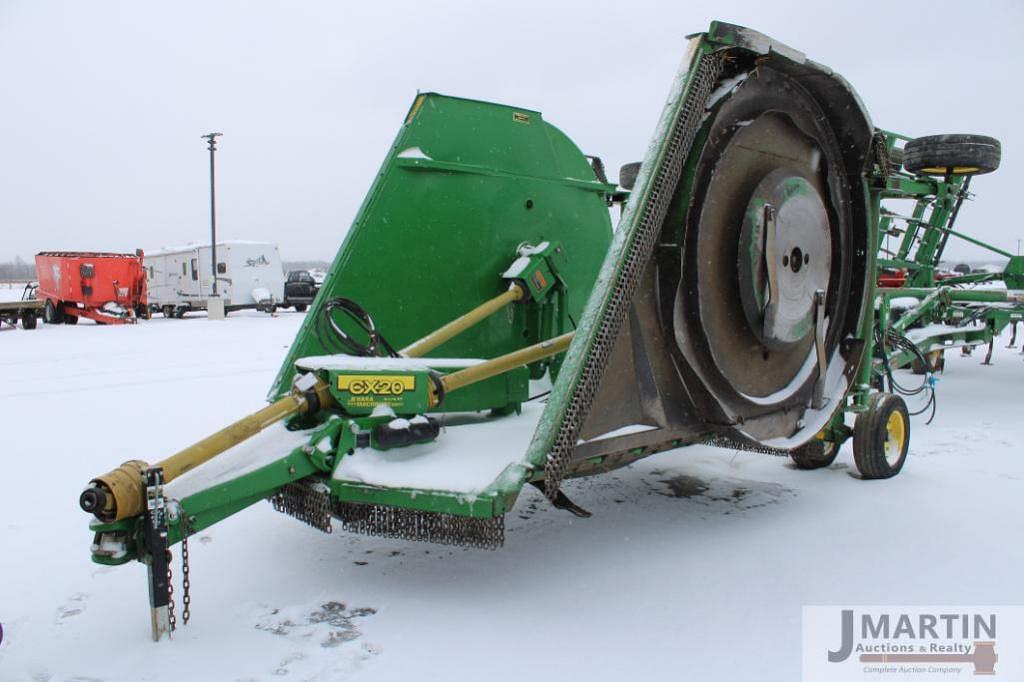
{"x": 120, "y": 494}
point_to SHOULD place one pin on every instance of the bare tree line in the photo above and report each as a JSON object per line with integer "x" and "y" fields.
{"x": 17, "y": 269}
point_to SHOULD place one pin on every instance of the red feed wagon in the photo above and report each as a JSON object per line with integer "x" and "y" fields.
{"x": 109, "y": 288}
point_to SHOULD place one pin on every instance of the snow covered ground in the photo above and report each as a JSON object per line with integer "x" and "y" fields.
{"x": 11, "y": 291}
{"x": 695, "y": 564}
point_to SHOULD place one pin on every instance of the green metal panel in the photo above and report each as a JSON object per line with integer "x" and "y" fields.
{"x": 487, "y": 504}
{"x": 585, "y": 338}
{"x": 463, "y": 185}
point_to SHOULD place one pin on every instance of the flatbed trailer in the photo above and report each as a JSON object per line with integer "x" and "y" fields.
{"x": 28, "y": 311}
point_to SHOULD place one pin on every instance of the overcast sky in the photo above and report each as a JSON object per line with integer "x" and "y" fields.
{"x": 103, "y": 103}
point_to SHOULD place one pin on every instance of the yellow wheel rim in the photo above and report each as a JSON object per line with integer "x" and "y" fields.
{"x": 895, "y": 437}
{"x": 955, "y": 170}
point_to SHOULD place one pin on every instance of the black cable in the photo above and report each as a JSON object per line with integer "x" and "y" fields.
{"x": 334, "y": 339}
{"x": 900, "y": 342}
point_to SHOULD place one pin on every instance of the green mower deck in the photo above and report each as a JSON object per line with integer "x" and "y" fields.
{"x": 483, "y": 327}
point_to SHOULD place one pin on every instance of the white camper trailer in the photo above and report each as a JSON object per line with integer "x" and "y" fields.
{"x": 249, "y": 275}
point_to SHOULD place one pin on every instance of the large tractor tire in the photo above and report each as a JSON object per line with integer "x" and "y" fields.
{"x": 70, "y": 319}
{"x": 952, "y": 155}
{"x": 881, "y": 436}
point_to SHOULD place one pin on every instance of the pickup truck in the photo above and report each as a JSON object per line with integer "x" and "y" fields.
{"x": 299, "y": 290}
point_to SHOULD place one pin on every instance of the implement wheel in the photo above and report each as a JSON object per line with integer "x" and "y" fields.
{"x": 952, "y": 155}
{"x": 881, "y": 436}
{"x": 52, "y": 314}
{"x": 28, "y": 321}
{"x": 815, "y": 455}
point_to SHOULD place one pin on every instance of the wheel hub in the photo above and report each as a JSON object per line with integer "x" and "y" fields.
{"x": 895, "y": 433}
{"x": 785, "y": 256}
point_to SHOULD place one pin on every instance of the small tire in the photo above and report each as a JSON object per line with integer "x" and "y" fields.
{"x": 881, "y": 436}
{"x": 28, "y": 321}
{"x": 70, "y": 319}
{"x": 952, "y": 155}
{"x": 628, "y": 174}
{"x": 817, "y": 454}
{"x": 167, "y": 311}
{"x": 300, "y": 307}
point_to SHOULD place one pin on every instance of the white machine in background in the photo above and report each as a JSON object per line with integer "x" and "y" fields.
{"x": 249, "y": 275}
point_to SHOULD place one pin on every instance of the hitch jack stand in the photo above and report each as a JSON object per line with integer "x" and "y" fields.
{"x": 155, "y": 538}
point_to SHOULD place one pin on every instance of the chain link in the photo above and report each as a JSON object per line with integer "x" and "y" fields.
{"x": 170, "y": 594}
{"x": 186, "y": 599}
{"x": 309, "y": 503}
{"x": 424, "y": 526}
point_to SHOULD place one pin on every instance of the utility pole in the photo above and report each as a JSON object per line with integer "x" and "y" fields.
{"x": 212, "y": 139}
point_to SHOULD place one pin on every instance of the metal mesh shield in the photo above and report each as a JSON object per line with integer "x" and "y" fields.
{"x": 664, "y": 180}
{"x": 311, "y": 503}
{"x": 414, "y": 524}
{"x": 308, "y": 502}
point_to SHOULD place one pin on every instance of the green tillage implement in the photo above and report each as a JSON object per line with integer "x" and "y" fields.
{"x": 947, "y": 310}
{"x": 733, "y": 305}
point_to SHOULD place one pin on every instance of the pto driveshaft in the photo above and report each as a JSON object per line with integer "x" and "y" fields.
{"x": 120, "y": 494}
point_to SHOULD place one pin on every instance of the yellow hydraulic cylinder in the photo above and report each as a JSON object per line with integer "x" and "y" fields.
{"x": 120, "y": 494}
{"x": 460, "y": 324}
{"x": 501, "y": 364}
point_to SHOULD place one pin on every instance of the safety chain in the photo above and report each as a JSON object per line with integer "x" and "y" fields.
{"x": 170, "y": 595}
{"x": 186, "y": 599}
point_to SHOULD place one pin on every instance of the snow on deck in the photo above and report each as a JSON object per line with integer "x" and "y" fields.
{"x": 465, "y": 458}
{"x": 343, "y": 362}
